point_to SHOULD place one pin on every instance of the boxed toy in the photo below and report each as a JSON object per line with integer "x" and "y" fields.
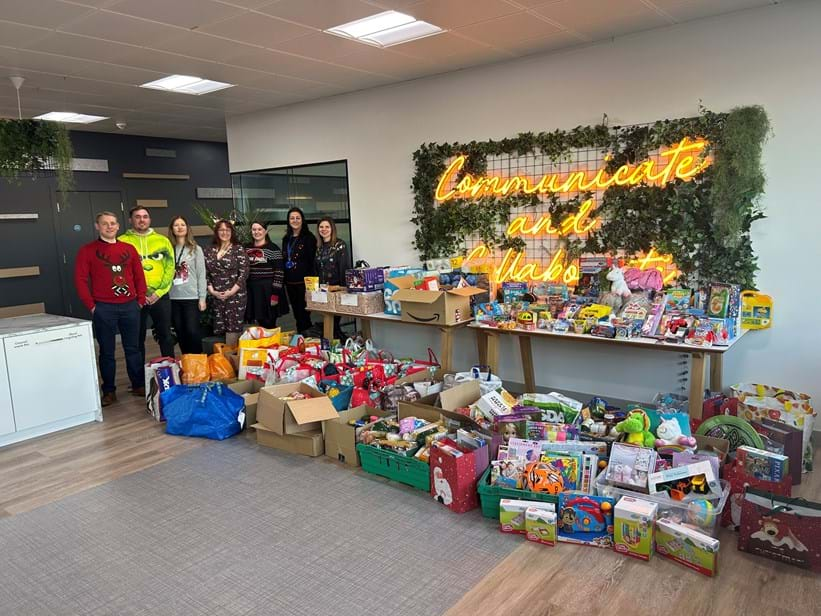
{"x": 762, "y": 464}
{"x": 540, "y": 526}
{"x": 634, "y": 522}
{"x": 725, "y": 301}
{"x": 687, "y": 546}
{"x": 686, "y": 482}
{"x": 630, "y": 466}
{"x": 789, "y": 440}
{"x": 585, "y": 519}
{"x": 513, "y": 291}
{"x": 512, "y": 514}
{"x": 392, "y": 285}
{"x": 364, "y": 279}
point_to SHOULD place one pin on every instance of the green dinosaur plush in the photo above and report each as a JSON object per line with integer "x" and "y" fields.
{"x": 637, "y": 427}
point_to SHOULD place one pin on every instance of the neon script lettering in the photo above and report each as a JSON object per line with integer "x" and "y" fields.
{"x": 682, "y": 161}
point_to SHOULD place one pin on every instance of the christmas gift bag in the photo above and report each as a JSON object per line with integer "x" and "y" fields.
{"x": 739, "y": 481}
{"x": 781, "y": 528}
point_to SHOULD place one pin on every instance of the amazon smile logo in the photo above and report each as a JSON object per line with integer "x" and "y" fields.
{"x": 431, "y": 319}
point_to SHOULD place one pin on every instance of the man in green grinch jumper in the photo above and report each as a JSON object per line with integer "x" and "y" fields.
{"x": 157, "y": 257}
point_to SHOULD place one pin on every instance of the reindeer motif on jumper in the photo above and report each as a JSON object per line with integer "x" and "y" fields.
{"x": 118, "y": 282}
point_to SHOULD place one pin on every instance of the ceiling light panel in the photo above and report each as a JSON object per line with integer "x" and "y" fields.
{"x": 69, "y": 117}
{"x": 385, "y": 29}
{"x": 186, "y": 84}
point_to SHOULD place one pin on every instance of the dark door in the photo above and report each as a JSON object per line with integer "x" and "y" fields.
{"x": 75, "y": 227}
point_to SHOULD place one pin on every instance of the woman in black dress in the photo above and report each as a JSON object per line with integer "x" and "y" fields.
{"x": 266, "y": 297}
{"x": 332, "y": 260}
{"x": 226, "y": 267}
{"x": 299, "y": 247}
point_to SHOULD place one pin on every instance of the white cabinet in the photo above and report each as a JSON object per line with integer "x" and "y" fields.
{"x": 6, "y": 412}
{"x": 50, "y": 376}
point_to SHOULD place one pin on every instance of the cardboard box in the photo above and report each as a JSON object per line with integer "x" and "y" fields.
{"x": 711, "y": 443}
{"x": 687, "y": 546}
{"x": 360, "y": 303}
{"x": 341, "y": 437}
{"x": 321, "y": 300}
{"x": 437, "y": 307}
{"x": 293, "y": 416}
{"x": 249, "y": 390}
{"x": 540, "y": 526}
{"x": 305, "y": 443}
{"x": 634, "y": 521}
{"x": 392, "y": 285}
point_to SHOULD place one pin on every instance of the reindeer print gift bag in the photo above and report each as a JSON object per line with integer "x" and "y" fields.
{"x": 781, "y": 528}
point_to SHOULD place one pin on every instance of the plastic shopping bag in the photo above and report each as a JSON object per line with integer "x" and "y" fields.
{"x": 161, "y": 374}
{"x": 220, "y": 368}
{"x": 208, "y": 410}
{"x": 194, "y": 368}
{"x": 257, "y": 337}
{"x": 488, "y": 382}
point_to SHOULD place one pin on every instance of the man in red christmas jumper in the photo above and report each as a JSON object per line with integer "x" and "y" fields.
{"x": 110, "y": 282}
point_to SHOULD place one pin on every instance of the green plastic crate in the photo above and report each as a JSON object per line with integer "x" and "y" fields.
{"x": 407, "y": 470}
{"x": 490, "y": 496}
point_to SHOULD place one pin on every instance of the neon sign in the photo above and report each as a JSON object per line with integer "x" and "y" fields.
{"x": 683, "y": 161}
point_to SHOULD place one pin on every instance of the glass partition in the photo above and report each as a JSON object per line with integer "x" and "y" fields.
{"x": 318, "y": 190}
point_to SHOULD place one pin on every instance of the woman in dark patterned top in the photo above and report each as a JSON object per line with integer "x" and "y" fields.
{"x": 332, "y": 259}
{"x": 266, "y": 297}
{"x": 299, "y": 248}
{"x": 226, "y": 266}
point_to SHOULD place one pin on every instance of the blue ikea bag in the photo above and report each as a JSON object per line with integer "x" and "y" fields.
{"x": 340, "y": 395}
{"x": 208, "y": 410}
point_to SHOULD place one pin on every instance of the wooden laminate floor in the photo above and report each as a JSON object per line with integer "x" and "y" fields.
{"x": 534, "y": 579}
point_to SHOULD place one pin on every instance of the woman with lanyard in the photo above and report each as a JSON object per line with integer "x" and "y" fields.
{"x": 266, "y": 297}
{"x": 299, "y": 245}
{"x": 188, "y": 288}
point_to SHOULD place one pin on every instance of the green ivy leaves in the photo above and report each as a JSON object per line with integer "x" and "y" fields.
{"x": 26, "y": 146}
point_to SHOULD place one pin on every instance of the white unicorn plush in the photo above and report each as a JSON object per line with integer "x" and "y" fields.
{"x": 619, "y": 291}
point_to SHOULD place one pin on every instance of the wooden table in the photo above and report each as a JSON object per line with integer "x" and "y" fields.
{"x": 487, "y": 339}
{"x": 445, "y": 354}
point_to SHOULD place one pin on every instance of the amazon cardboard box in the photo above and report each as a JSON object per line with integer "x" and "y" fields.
{"x": 293, "y": 416}
{"x": 436, "y": 307}
{"x": 341, "y": 437}
{"x": 249, "y": 390}
{"x": 304, "y": 443}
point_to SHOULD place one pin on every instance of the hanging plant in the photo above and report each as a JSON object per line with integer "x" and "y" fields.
{"x": 36, "y": 148}
{"x": 703, "y": 223}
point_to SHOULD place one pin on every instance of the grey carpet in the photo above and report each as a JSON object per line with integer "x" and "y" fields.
{"x": 232, "y": 528}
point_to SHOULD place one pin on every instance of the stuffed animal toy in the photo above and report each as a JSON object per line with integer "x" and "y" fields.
{"x": 637, "y": 428}
{"x": 669, "y": 433}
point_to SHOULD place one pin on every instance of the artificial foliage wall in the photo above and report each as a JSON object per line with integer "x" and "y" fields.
{"x": 703, "y": 222}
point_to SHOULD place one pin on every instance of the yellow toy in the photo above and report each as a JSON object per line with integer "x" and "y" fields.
{"x": 756, "y": 310}
{"x": 596, "y": 311}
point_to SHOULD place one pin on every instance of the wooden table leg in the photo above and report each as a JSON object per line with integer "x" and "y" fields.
{"x": 481, "y": 346}
{"x": 328, "y": 326}
{"x": 527, "y": 363}
{"x": 716, "y": 370}
{"x": 446, "y": 349}
{"x": 366, "y": 328}
{"x": 697, "y": 385}
{"x": 493, "y": 352}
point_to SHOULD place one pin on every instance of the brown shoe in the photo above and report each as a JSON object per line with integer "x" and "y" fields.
{"x": 138, "y": 391}
{"x": 108, "y": 398}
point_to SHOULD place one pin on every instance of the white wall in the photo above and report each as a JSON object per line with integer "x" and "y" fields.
{"x": 768, "y": 56}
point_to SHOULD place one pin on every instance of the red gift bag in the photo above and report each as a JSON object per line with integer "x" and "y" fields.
{"x": 739, "y": 480}
{"x": 781, "y": 528}
{"x": 453, "y": 478}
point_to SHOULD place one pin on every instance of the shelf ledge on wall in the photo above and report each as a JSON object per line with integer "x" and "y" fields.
{"x": 156, "y": 176}
{"x": 22, "y": 310}
{"x": 152, "y": 203}
{"x": 19, "y": 272}
{"x": 19, "y": 216}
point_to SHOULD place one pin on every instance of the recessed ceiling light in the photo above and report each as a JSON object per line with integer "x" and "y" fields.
{"x": 185, "y": 84}
{"x": 386, "y": 29}
{"x": 68, "y": 117}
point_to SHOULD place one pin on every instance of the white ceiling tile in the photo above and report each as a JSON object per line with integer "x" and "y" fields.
{"x": 455, "y": 13}
{"x": 295, "y": 66}
{"x": 587, "y": 18}
{"x": 163, "y": 62}
{"x": 113, "y": 73}
{"x": 121, "y": 28}
{"x": 322, "y": 14}
{"x": 200, "y": 45}
{"x": 34, "y": 61}
{"x": 14, "y": 35}
{"x": 542, "y": 44}
{"x": 511, "y": 28}
{"x": 257, "y": 29}
{"x": 76, "y": 46}
{"x": 186, "y": 13}
{"x": 533, "y": 3}
{"x": 320, "y": 45}
{"x": 260, "y": 80}
{"x": 43, "y": 13}
{"x": 397, "y": 5}
{"x": 388, "y": 62}
{"x": 686, "y": 10}
{"x": 440, "y": 45}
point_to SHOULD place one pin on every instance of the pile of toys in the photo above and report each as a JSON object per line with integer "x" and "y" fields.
{"x": 409, "y": 436}
{"x": 635, "y": 306}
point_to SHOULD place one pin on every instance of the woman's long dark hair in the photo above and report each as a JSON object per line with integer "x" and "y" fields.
{"x": 303, "y": 231}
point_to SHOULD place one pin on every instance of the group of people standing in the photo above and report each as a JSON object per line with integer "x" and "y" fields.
{"x": 124, "y": 280}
